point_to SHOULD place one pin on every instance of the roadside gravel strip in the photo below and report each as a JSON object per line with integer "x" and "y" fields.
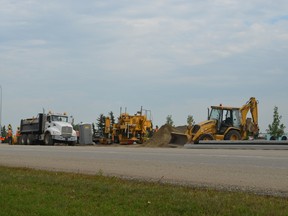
{"x": 257, "y": 171}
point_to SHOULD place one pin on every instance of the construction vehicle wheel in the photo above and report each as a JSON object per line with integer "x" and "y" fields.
{"x": 30, "y": 139}
{"x": 48, "y": 139}
{"x": 205, "y": 137}
{"x": 233, "y": 135}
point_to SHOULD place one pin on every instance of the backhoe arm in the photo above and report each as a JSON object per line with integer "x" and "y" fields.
{"x": 252, "y": 106}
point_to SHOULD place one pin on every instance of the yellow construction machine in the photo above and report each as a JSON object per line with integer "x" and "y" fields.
{"x": 132, "y": 128}
{"x": 224, "y": 123}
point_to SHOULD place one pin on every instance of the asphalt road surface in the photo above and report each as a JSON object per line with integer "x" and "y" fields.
{"x": 254, "y": 170}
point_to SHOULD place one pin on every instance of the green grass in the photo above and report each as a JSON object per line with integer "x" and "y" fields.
{"x": 32, "y": 192}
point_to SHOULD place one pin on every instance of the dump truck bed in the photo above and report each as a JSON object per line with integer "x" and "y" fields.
{"x": 32, "y": 125}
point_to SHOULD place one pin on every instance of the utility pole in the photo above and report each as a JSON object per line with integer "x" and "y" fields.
{"x": 1, "y": 113}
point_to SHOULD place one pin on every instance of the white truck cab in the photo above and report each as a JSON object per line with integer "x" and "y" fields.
{"x": 58, "y": 129}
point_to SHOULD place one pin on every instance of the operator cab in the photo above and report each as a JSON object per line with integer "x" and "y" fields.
{"x": 225, "y": 117}
{"x": 59, "y": 118}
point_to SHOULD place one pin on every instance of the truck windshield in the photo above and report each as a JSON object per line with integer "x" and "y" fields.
{"x": 59, "y": 118}
{"x": 215, "y": 114}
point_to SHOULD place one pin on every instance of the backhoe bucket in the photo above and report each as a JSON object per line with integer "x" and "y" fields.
{"x": 178, "y": 138}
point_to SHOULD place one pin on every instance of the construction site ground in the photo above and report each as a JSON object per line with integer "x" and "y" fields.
{"x": 163, "y": 136}
{"x": 259, "y": 171}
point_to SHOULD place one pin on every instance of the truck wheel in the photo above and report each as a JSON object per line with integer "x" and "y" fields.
{"x": 23, "y": 139}
{"x": 233, "y": 135}
{"x": 272, "y": 138}
{"x": 48, "y": 139}
{"x": 30, "y": 139}
{"x": 205, "y": 137}
{"x": 72, "y": 143}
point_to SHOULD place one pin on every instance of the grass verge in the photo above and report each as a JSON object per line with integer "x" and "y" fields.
{"x": 31, "y": 192}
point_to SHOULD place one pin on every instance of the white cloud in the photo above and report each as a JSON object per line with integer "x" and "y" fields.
{"x": 122, "y": 52}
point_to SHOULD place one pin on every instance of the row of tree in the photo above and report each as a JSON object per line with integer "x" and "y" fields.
{"x": 276, "y": 128}
{"x": 100, "y": 123}
{"x": 190, "y": 120}
{"x": 3, "y": 131}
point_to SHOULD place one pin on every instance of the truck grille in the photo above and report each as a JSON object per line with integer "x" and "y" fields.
{"x": 66, "y": 130}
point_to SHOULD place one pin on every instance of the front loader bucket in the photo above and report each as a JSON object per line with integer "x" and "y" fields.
{"x": 178, "y": 138}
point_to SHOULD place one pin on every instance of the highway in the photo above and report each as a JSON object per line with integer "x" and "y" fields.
{"x": 254, "y": 170}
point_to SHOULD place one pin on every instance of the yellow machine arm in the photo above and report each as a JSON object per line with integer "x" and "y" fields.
{"x": 107, "y": 125}
{"x": 252, "y": 106}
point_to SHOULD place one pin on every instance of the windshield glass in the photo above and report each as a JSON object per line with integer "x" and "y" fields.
{"x": 59, "y": 118}
{"x": 236, "y": 118}
{"x": 215, "y": 114}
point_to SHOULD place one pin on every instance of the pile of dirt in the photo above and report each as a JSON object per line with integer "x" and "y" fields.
{"x": 163, "y": 136}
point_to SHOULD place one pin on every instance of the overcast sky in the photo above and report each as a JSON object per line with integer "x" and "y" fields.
{"x": 173, "y": 57}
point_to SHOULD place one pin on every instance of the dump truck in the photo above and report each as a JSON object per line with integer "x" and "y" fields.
{"x": 223, "y": 123}
{"x": 47, "y": 128}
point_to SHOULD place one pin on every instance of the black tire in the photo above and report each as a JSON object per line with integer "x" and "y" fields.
{"x": 19, "y": 140}
{"x": 116, "y": 139}
{"x": 204, "y": 137}
{"x": 23, "y": 139}
{"x": 272, "y": 138}
{"x": 10, "y": 140}
{"x": 48, "y": 139}
{"x": 72, "y": 143}
{"x": 233, "y": 135}
{"x": 30, "y": 139}
{"x": 284, "y": 138}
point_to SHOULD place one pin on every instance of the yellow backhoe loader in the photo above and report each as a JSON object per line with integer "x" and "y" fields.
{"x": 224, "y": 123}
